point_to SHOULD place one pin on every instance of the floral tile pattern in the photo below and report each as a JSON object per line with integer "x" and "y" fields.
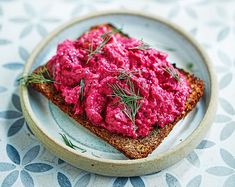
{"x": 26, "y": 168}
{"x": 25, "y": 162}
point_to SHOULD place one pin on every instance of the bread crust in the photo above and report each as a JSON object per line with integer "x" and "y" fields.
{"x": 131, "y": 148}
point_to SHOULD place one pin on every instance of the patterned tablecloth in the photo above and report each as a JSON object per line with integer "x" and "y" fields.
{"x": 23, "y": 159}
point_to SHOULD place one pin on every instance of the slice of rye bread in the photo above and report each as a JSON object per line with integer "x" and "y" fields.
{"x": 131, "y": 148}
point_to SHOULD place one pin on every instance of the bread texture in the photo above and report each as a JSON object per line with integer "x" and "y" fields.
{"x": 130, "y": 147}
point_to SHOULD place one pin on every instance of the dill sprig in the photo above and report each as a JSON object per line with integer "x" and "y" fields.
{"x": 82, "y": 86}
{"x": 97, "y": 50}
{"x": 118, "y": 30}
{"x": 67, "y": 141}
{"x": 70, "y": 144}
{"x": 172, "y": 71}
{"x": 114, "y": 30}
{"x": 42, "y": 76}
{"x": 126, "y": 75}
{"x": 190, "y": 66}
{"x": 129, "y": 98}
{"x": 106, "y": 37}
{"x": 143, "y": 46}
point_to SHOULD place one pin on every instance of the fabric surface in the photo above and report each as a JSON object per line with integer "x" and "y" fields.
{"x": 23, "y": 159}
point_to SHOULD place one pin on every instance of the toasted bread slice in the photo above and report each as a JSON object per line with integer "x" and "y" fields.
{"x": 131, "y": 148}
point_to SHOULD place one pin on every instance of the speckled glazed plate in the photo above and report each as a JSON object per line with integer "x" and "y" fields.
{"x": 47, "y": 121}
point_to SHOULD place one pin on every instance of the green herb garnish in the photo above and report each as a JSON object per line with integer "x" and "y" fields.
{"x": 82, "y": 86}
{"x": 190, "y": 66}
{"x": 70, "y": 144}
{"x": 169, "y": 49}
{"x": 173, "y": 73}
{"x": 114, "y": 30}
{"x": 106, "y": 37}
{"x": 143, "y": 46}
{"x": 93, "y": 52}
{"x": 42, "y": 76}
{"x": 117, "y": 30}
{"x": 126, "y": 75}
{"x": 129, "y": 98}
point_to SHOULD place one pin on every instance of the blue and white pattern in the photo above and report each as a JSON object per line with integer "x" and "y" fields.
{"x": 22, "y": 167}
{"x": 25, "y": 162}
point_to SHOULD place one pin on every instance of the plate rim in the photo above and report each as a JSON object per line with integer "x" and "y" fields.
{"x": 162, "y": 160}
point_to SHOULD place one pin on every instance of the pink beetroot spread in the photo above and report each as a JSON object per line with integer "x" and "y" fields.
{"x": 86, "y": 82}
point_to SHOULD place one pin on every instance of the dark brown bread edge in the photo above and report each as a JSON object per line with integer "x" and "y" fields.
{"x": 131, "y": 148}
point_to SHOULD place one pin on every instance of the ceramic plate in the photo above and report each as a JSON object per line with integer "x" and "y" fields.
{"x": 47, "y": 121}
